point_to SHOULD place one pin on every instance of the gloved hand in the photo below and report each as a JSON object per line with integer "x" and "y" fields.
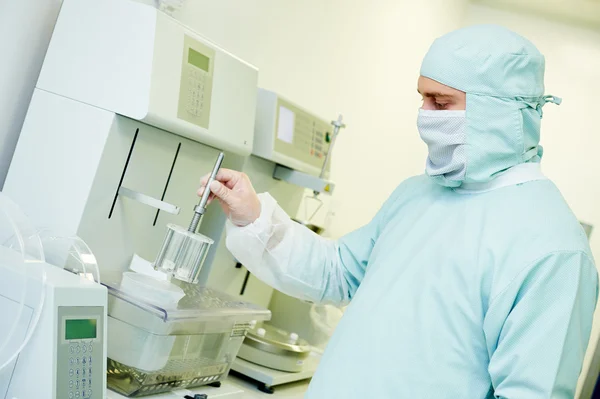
{"x": 235, "y": 194}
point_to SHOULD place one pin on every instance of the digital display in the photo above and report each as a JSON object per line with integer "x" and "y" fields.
{"x": 285, "y": 128}
{"x": 198, "y": 60}
{"x": 80, "y": 329}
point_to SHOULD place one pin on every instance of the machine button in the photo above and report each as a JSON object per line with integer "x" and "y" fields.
{"x": 83, "y": 360}
{"x": 77, "y": 372}
{"x": 72, "y": 349}
{"x": 90, "y": 349}
{"x": 83, "y": 373}
{"x": 78, "y": 349}
{"x": 70, "y": 383}
{"x": 77, "y": 360}
{"x": 71, "y": 373}
{"x": 71, "y": 361}
{"x": 77, "y": 384}
{"x": 84, "y": 348}
{"x": 89, "y": 392}
{"x": 77, "y": 394}
{"x": 70, "y": 394}
{"x": 90, "y": 371}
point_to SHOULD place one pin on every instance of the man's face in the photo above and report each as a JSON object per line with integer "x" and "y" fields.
{"x": 437, "y": 96}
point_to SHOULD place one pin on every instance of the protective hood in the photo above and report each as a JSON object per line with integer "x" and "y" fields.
{"x": 503, "y": 76}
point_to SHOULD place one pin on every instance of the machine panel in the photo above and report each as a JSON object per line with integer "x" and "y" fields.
{"x": 196, "y": 82}
{"x": 80, "y": 351}
{"x": 288, "y": 135}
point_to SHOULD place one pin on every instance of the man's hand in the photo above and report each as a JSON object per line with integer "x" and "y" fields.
{"x": 235, "y": 194}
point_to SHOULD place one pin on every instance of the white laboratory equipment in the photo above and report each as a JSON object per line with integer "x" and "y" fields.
{"x": 131, "y": 108}
{"x": 296, "y": 140}
{"x": 122, "y": 125}
{"x": 53, "y": 313}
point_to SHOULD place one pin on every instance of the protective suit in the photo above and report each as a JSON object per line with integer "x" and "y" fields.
{"x": 472, "y": 283}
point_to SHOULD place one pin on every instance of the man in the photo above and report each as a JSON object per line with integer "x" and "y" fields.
{"x": 472, "y": 281}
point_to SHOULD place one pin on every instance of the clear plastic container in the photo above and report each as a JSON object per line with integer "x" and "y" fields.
{"x": 22, "y": 284}
{"x": 70, "y": 253}
{"x": 183, "y": 253}
{"x": 154, "y": 349}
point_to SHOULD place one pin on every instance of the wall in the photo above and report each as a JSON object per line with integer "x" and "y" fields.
{"x": 570, "y": 132}
{"x": 25, "y": 30}
{"x": 358, "y": 58}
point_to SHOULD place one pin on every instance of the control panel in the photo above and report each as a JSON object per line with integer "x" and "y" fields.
{"x": 300, "y": 135}
{"x": 80, "y": 352}
{"x": 196, "y": 82}
{"x": 289, "y": 135}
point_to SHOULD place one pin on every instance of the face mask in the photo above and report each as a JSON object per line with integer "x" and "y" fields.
{"x": 444, "y": 132}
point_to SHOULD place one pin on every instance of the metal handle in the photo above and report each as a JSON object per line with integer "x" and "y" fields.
{"x": 147, "y": 200}
{"x": 201, "y": 207}
{"x": 213, "y": 176}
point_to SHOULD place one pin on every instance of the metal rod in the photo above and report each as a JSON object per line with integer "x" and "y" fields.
{"x": 337, "y": 125}
{"x": 201, "y": 207}
{"x": 148, "y": 200}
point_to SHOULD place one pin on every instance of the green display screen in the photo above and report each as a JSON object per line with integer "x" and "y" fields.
{"x": 198, "y": 60}
{"x": 80, "y": 329}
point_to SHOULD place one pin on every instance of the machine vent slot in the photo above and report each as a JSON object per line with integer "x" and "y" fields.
{"x": 162, "y": 198}
{"x": 112, "y": 208}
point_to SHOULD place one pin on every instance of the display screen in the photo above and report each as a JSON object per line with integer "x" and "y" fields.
{"x": 285, "y": 128}
{"x": 198, "y": 60}
{"x": 80, "y": 329}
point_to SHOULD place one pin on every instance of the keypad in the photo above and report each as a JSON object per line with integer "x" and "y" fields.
{"x": 80, "y": 371}
{"x": 195, "y": 95}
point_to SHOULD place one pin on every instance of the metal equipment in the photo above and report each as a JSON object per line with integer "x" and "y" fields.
{"x": 275, "y": 348}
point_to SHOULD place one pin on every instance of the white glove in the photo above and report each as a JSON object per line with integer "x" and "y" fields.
{"x": 235, "y": 194}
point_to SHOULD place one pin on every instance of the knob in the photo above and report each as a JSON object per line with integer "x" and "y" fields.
{"x": 293, "y": 338}
{"x": 261, "y": 332}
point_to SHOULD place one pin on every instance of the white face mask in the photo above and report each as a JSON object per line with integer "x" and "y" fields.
{"x": 444, "y": 132}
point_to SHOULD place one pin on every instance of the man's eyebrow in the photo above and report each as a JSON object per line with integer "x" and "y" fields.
{"x": 433, "y": 94}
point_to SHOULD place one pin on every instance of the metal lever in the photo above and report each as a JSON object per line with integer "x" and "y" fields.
{"x": 147, "y": 200}
{"x": 200, "y": 209}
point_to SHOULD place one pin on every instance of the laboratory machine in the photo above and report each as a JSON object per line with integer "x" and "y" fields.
{"x": 170, "y": 333}
{"x": 131, "y": 108}
{"x": 291, "y": 156}
{"x": 53, "y": 313}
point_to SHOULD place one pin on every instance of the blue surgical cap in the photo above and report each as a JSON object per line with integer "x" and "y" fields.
{"x": 503, "y": 76}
